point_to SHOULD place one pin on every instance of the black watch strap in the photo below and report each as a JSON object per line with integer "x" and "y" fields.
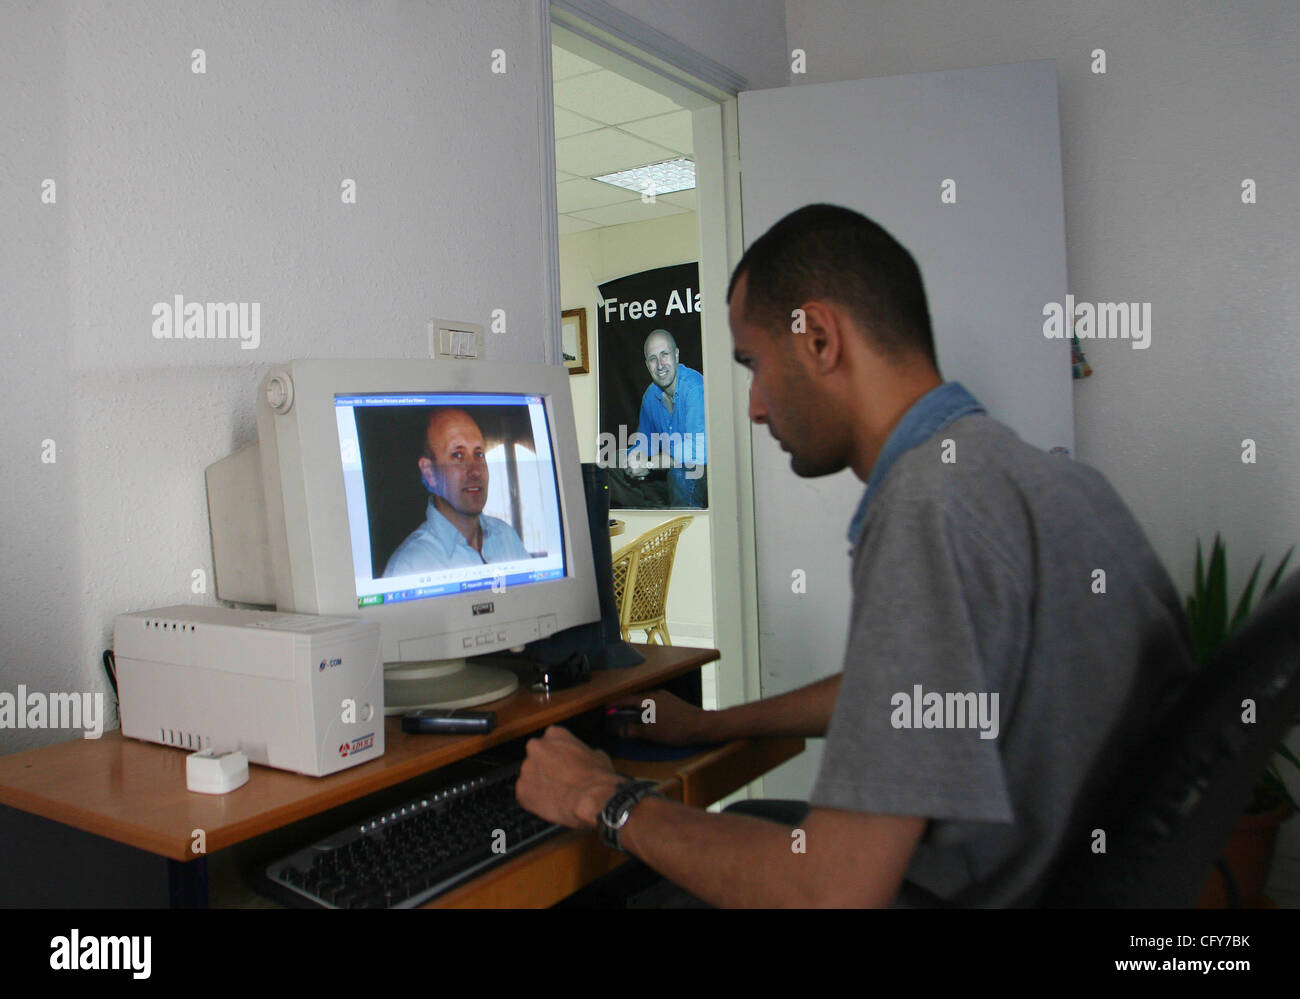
{"x": 613, "y": 817}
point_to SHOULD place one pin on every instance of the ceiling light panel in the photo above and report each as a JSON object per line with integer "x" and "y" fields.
{"x": 657, "y": 178}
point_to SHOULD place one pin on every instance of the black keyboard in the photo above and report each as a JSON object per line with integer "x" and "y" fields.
{"x": 407, "y": 855}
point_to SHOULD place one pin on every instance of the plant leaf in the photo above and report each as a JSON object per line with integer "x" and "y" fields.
{"x": 1196, "y": 607}
{"x": 1198, "y": 578}
{"x": 1273, "y": 781}
{"x": 1276, "y": 578}
{"x": 1286, "y": 754}
{"x": 1216, "y": 599}
{"x": 1243, "y": 605}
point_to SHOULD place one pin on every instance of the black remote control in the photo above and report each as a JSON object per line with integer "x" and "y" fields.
{"x": 449, "y": 721}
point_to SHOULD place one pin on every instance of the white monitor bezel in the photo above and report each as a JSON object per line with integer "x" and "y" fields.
{"x": 307, "y": 517}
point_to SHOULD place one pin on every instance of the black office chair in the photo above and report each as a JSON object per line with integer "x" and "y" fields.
{"x": 1174, "y": 808}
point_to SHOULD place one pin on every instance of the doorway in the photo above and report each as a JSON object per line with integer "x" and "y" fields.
{"x": 618, "y": 106}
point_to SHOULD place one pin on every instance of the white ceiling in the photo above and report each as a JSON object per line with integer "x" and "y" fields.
{"x": 605, "y": 122}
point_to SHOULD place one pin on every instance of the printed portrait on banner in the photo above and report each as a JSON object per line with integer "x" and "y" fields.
{"x": 653, "y": 437}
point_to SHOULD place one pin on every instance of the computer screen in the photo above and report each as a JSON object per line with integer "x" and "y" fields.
{"x": 419, "y": 470}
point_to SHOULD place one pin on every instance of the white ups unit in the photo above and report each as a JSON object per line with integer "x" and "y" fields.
{"x": 294, "y": 691}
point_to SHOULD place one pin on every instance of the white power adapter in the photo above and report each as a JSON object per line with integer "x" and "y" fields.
{"x": 210, "y": 773}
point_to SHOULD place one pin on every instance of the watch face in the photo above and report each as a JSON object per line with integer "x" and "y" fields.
{"x": 615, "y": 814}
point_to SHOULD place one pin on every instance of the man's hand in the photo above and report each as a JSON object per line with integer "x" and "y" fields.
{"x": 666, "y": 718}
{"x": 565, "y": 782}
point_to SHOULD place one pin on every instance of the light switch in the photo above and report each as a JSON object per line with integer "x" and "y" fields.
{"x": 454, "y": 339}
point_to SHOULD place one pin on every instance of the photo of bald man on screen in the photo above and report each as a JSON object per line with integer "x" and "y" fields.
{"x": 456, "y": 532}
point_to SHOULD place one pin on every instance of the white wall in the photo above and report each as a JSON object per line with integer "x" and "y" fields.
{"x": 226, "y": 187}
{"x": 1196, "y": 97}
{"x": 588, "y": 259}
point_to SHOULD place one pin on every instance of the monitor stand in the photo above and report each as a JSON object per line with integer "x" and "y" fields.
{"x": 444, "y": 683}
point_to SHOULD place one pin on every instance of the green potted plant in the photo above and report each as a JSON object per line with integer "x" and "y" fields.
{"x": 1249, "y": 853}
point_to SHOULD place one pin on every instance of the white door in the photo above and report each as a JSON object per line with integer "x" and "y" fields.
{"x": 991, "y": 261}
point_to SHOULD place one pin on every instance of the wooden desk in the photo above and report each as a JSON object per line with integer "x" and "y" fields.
{"x": 134, "y": 793}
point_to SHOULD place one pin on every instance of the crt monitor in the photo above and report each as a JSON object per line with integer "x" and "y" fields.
{"x": 441, "y": 499}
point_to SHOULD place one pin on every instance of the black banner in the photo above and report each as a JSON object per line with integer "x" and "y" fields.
{"x": 652, "y": 390}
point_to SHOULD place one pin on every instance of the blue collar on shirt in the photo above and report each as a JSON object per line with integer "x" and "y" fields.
{"x": 928, "y": 415}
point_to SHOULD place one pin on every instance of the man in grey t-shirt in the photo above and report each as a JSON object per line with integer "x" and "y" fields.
{"x": 1013, "y": 636}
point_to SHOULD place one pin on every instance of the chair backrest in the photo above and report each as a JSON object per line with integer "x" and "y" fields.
{"x": 1178, "y": 800}
{"x": 643, "y": 569}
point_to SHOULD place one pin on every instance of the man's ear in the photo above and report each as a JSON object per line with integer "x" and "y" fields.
{"x": 822, "y": 342}
{"x": 426, "y": 472}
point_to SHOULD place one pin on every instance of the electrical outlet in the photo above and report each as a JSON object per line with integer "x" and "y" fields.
{"x": 456, "y": 340}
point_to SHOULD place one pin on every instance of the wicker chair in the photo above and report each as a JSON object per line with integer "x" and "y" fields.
{"x": 642, "y": 570}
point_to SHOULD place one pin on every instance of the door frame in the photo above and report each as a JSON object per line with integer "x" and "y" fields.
{"x": 611, "y": 38}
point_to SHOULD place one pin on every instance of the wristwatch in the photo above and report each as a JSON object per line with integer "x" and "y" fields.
{"x": 613, "y": 817}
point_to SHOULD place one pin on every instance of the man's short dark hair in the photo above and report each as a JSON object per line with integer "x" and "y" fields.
{"x": 835, "y": 254}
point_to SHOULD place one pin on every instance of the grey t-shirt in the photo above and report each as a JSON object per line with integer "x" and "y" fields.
{"x": 980, "y": 577}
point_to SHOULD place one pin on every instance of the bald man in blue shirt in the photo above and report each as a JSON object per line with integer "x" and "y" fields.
{"x": 456, "y": 532}
{"x": 672, "y": 423}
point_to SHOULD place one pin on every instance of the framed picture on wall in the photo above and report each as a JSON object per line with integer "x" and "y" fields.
{"x": 573, "y": 340}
